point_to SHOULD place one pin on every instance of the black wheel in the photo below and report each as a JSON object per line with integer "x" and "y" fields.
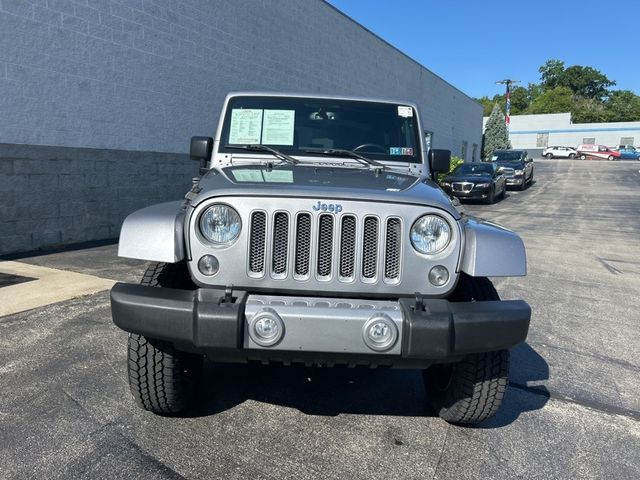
{"x": 611, "y": 158}
{"x": 523, "y": 185}
{"x": 572, "y": 156}
{"x": 473, "y": 389}
{"x": 492, "y": 196}
{"x": 549, "y": 156}
{"x": 504, "y": 192}
{"x": 163, "y": 379}
{"x": 531, "y": 178}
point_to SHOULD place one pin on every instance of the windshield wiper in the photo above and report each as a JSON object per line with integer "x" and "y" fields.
{"x": 347, "y": 153}
{"x": 258, "y": 147}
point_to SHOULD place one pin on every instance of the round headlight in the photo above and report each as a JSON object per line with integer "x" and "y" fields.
{"x": 430, "y": 234}
{"x": 220, "y": 224}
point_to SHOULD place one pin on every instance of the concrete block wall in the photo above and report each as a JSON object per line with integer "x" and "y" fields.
{"x": 146, "y": 75}
{"x": 57, "y": 195}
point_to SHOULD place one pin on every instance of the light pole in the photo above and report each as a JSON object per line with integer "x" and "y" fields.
{"x": 508, "y": 82}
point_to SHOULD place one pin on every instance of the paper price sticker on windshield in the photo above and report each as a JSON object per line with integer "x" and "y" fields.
{"x": 277, "y": 127}
{"x": 246, "y": 126}
{"x": 405, "y": 111}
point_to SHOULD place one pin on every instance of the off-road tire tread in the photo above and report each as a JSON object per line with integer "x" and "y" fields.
{"x": 162, "y": 379}
{"x": 479, "y": 382}
{"x": 478, "y": 388}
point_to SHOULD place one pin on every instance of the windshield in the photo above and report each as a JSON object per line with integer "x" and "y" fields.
{"x": 506, "y": 156}
{"x": 469, "y": 169}
{"x": 298, "y": 126}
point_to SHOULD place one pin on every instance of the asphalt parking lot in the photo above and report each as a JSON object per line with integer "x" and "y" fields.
{"x": 572, "y": 409}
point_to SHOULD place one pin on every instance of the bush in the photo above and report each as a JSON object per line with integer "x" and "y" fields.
{"x": 455, "y": 161}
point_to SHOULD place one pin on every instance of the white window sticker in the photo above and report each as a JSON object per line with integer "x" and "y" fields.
{"x": 246, "y": 125}
{"x": 278, "y": 176}
{"x": 277, "y": 127}
{"x": 405, "y": 111}
{"x": 248, "y": 176}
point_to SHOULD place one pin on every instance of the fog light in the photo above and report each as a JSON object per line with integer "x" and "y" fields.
{"x": 208, "y": 265}
{"x": 438, "y": 275}
{"x": 380, "y": 333}
{"x": 266, "y": 328}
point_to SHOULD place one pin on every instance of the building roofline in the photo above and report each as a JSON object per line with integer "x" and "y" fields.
{"x": 333, "y": 7}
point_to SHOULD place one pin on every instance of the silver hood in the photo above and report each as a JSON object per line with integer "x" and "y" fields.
{"x": 321, "y": 183}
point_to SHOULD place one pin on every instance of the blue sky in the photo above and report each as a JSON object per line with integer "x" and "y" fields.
{"x": 471, "y": 44}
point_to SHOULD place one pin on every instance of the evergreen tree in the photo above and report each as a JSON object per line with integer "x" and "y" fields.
{"x": 495, "y": 135}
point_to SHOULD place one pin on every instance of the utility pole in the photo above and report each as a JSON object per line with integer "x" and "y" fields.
{"x": 508, "y": 82}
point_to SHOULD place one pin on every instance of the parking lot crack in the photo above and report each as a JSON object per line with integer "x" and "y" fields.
{"x": 603, "y": 358}
{"x": 442, "y": 449}
{"x": 587, "y": 403}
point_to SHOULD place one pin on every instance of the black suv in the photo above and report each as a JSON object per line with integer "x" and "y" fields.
{"x": 515, "y": 165}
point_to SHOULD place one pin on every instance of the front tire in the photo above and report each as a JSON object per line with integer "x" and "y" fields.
{"x": 583, "y": 157}
{"x": 473, "y": 389}
{"x": 162, "y": 379}
{"x": 549, "y": 156}
{"x": 572, "y": 156}
{"x": 611, "y": 158}
{"x": 492, "y": 196}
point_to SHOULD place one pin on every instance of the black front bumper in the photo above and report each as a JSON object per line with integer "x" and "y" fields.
{"x": 211, "y": 321}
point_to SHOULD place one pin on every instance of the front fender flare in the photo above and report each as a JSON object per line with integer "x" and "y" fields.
{"x": 491, "y": 250}
{"x": 154, "y": 233}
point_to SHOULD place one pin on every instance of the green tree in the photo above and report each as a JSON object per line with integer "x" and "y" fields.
{"x": 550, "y": 73}
{"x": 495, "y": 135}
{"x": 519, "y": 100}
{"x": 622, "y": 106}
{"x": 556, "y": 100}
{"x": 487, "y": 105}
{"x": 588, "y": 110}
{"x": 586, "y": 82}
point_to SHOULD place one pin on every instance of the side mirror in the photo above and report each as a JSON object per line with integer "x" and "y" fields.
{"x": 439, "y": 160}
{"x": 201, "y": 148}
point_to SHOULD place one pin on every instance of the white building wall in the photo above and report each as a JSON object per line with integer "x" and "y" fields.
{"x": 528, "y": 131}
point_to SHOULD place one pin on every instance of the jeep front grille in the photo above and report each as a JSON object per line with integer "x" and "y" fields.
{"x": 392, "y": 252}
{"x": 325, "y": 245}
{"x": 257, "y": 242}
{"x": 348, "y": 247}
{"x": 370, "y": 248}
{"x": 303, "y": 245}
{"x": 280, "y": 243}
{"x": 329, "y": 247}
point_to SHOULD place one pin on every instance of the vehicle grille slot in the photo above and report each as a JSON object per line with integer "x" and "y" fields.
{"x": 392, "y": 250}
{"x": 370, "y": 248}
{"x": 257, "y": 242}
{"x": 347, "y": 246}
{"x": 303, "y": 244}
{"x": 280, "y": 243}
{"x": 325, "y": 245}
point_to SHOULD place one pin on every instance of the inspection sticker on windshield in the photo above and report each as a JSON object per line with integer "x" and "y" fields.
{"x": 246, "y": 126}
{"x": 405, "y": 111}
{"x": 401, "y": 151}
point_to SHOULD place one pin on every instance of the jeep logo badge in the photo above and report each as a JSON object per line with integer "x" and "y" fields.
{"x": 328, "y": 207}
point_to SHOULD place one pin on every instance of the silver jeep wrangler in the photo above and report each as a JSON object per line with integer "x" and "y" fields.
{"x": 316, "y": 234}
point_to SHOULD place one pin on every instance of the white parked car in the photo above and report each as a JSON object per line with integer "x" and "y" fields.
{"x": 559, "y": 152}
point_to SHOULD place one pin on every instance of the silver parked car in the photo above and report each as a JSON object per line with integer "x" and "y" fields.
{"x": 316, "y": 235}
